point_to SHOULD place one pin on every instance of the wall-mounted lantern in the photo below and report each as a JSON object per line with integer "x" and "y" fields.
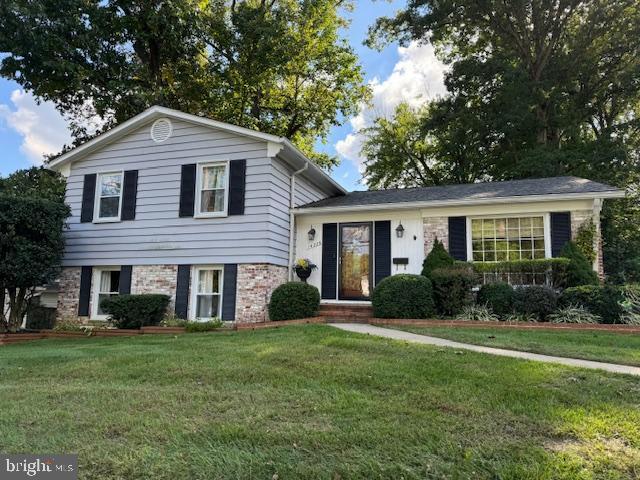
{"x": 312, "y": 234}
{"x": 399, "y": 230}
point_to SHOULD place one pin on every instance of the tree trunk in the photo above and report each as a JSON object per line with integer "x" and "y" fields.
{"x": 3, "y": 314}
{"x": 17, "y": 307}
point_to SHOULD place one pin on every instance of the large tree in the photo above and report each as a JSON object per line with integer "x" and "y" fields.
{"x": 32, "y": 218}
{"x": 279, "y": 65}
{"x": 537, "y": 88}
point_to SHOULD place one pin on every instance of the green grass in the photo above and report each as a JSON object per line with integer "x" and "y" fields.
{"x": 590, "y": 345}
{"x": 312, "y": 402}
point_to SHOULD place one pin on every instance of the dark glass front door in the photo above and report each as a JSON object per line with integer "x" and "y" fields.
{"x": 355, "y": 261}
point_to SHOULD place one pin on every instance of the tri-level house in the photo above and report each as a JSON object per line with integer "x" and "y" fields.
{"x": 214, "y": 215}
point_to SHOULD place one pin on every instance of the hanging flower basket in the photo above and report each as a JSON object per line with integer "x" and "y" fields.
{"x": 303, "y": 268}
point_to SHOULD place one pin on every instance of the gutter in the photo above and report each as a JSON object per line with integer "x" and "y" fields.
{"x": 462, "y": 202}
{"x": 292, "y": 219}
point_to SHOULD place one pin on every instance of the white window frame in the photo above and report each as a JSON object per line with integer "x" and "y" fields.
{"x": 199, "y": 189}
{"x": 193, "y": 301}
{"x": 546, "y": 220}
{"x": 95, "y": 294}
{"x": 96, "y": 201}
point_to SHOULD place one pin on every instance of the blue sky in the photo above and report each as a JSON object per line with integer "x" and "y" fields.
{"x": 412, "y": 74}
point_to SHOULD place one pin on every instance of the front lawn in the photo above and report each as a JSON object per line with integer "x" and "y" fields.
{"x": 590, "y": 345}
{"x": 312, "y": 402}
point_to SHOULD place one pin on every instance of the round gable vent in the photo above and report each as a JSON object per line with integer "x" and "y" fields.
{"x": 161, "y": 130}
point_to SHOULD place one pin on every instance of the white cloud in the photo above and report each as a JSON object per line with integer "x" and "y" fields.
{"x": 417, "y": 77}
{"x": 43, "y": 130}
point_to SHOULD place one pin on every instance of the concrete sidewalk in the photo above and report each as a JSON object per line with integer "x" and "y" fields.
{"x": 440, "y": 342}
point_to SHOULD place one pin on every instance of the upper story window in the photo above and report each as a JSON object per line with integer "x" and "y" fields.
{"x": 212, "y": 185}
{"x": 512, "y": 238}
{"x": 108, "y": 197}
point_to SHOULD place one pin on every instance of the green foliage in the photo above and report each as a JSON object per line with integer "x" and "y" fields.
{"x": 135, "y": 311}
{"x": 574, "y": 314}
{"x": 294, "y": 300}
{"x": 477, "y": 313}
{"x": 535, "y": 300}
{"x": 281, "y": 66}
{"x": 498, "y": 297}
{"x": 71, "y": 325}
{"x": 585, "y": 238}
{"x": 438, "y": 257}
{"x": 403, "y": 296}
{"x": 35, "y": 182}
{"x": 521, "y": 317}
{"x": 40, "y": 318}
{"x": 579, "y": 271}
{"x": 551, "y": 271}
{"x": 199, "y": 327}
{"x": 601, "y": 300}
{"x": 630, "y": 305}
{"x": 452, "y": 288}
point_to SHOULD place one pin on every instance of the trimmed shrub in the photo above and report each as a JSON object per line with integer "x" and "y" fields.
{"x": 535, "y": 300}
{"x": 539, "y": 271}
{"x": 579, "y": 271}
{"x": 438, "y": 257}
{"x": 294, "y": 300}
{"x": 452, "y": 288}
{"x": 135, "y": 311}
{"x": 602, "y": 300}
{"x": 574, "y": 314}
{"x": 403, "y": 296}
{"x": 477, "y": 313}
{"x": 40, "y": 318}
{"x": 498, "y": 297}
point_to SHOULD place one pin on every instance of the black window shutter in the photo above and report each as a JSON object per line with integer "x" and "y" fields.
{"x": 129, "y": 195}
{"x": 187, "y": 190}
{"x": 85, "y": 291}
{"x": 458, "y": 238}
{"x": 125, "y": 280}
{"x": 237, "y": 182}
{"x": 560, "y": 231}
{"x": 182, "y": 290}
{"x": 329, "y": 260}
{"x": 229, "y": 292}
{"x": 88, "y": 198}
{"x": 382, "y": 247}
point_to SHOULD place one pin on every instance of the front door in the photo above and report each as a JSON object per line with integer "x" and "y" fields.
{"x": 355, "y": 261}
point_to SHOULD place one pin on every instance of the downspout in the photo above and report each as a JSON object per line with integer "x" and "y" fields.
{"x": 292, "y": 219}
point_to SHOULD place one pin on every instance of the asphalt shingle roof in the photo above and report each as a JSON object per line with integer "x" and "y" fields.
{"x": 471, "y": 191}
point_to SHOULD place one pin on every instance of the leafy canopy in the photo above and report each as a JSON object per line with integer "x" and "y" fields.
{"x": 279, "y": 66}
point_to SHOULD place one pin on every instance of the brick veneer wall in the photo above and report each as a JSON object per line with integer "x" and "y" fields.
{"x": 256, "y": 283}
{"x": 155, "y": 279}
{"x": 435, "y": 227}
{"x": 69, "y": 295}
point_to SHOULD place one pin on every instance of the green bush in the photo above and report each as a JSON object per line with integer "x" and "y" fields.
{"x": 135, "y": 311}
{"x": 403, "y": 296}
{"x": 574, "y": 314}
{"x": 197, "y": 327}
{"x": 630, "y": 304}
{"x": 452, "y": 288}
{"x": 579, "y": 271}
{"x": 438, "y": 257}
{"x": 535, "y": 300}
{"x": 40, "y": 318}
{"x": 294, "y": 300}
{"x": 498, "y": 297}
{"x": 540, "y": 271}
{"x": 602, "y": 300}
{"x": 477, "y": 313}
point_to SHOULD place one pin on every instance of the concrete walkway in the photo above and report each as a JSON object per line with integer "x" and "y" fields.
{"x": 440, "y": 342}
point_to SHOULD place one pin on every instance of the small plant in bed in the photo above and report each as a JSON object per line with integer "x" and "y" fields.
{"x": 574, "y": 314}
{"x": 477, "y": 313}
{"x": 403, "y": 296}
{"x": 198, "y": 326}
{"x": 294, "y": 300}
{"x": 135, "y": 311}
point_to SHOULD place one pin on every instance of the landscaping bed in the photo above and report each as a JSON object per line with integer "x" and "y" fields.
{"x": 312, "y": 402}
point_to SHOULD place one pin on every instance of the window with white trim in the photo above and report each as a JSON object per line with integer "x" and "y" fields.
{"x": 212, "y": 189}
{"x": 207, "y": 298}
{"x": 510, "y": 238}
{"x": 106, "y": 285}
{"x": 109, "y": 196}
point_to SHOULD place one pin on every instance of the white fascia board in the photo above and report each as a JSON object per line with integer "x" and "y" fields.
{"x": 463, "y": 202}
